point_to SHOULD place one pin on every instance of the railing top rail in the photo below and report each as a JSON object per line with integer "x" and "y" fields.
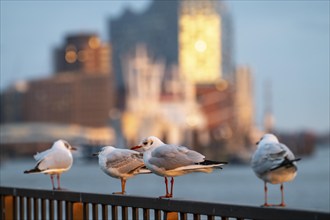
{"x": 175, "y": 205}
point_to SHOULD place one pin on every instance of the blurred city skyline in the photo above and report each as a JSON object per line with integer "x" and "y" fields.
{"x": 285, "y": 43}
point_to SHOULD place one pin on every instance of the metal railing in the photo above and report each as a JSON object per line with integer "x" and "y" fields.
{"x": 20, "y": 203}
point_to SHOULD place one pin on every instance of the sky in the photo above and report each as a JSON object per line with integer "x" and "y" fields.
{"x": 284, "y": 42}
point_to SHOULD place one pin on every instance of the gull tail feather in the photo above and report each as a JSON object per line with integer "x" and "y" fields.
{"x": 200, "y": 167}
{"x": 144, "y": 171}
{"x": 34, "y": 170}
{"x": 286, "y": 163}
{"x": 215, "y": 164}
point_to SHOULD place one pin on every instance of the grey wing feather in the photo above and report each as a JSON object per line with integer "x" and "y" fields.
{"x": 40, "y": 156}
{"x": 171, "y": 156}
{"x": 270, "y": 156}
{"x": 125, "y": 161}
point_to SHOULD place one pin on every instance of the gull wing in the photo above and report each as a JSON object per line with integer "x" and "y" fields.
{"x": 126, "y": 161}
{"x": 270, "y": 156}
{"x": 170, "y": 157}
{"x": 40, "y": 156}
{"x": 51, "y": 159}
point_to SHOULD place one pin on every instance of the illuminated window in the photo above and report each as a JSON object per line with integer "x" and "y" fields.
{"x": 70, "y": 56}
{"x": 94, "y": 42}
{"x": 82, "y": 56}
{"x": 200, "y": 46}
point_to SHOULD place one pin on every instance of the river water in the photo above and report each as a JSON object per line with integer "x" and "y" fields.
{"x": 235, "y": 184}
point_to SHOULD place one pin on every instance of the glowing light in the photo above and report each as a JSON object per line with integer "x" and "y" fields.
{"x": 221, "y": 85}
{"x": 200, "y": 46}
{"x": 70, "y": 56}
{"x": 94, "y": 42}
{"x": 82, "y": 56}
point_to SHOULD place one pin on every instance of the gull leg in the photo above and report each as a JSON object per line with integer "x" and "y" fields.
{"x": 167, "y": 195}
{"x": 172, "y": 183}
{"x": 52, "y": 179}
{"x": 266, "y": 190}
{"x": 58, "y": 181}
{"x": 282, "y": 196}
{"x": 123, "y": 185}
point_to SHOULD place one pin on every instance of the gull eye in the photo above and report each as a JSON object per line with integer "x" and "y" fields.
{"x": 151, "y": 142}
{"x": 145, "y": 142}
{"x": 67, "y": 145}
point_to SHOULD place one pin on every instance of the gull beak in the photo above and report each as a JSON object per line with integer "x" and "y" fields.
{"x": 95, "y": 154}
{"x": 136, "y": 147}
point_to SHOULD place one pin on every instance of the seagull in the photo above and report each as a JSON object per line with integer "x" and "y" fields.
{"x": 121, "y": 164}
{"x": 274, "y": 163}
{"x": 54, "y": 161}
{"x": 173, "y": 160}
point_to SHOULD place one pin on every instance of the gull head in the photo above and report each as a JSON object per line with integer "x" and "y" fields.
{"x": 148, "y": 143}
{"x": 62, "y": 144}
{"x": 104, "y": 151}
{"x": 268, "y": 138}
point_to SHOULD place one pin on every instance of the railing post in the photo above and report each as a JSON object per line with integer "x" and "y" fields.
{"x": 68, "y": 210}
{"x": 171, "y": 216}
{"x": 8, "y": 209}
{"x": 78, "y": 211}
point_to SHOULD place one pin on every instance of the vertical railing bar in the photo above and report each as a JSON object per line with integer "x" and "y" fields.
{"x": 183, "y": 216}
{"x": 114, "y": 212}
{"x": 135, "y": 213}
{"x": 157, "y": 214}
{"x": 124, "y": 213}
{"x": 86, "y": 211}
{"x": 210, "y": 217}
{"x": 224, "y": 218}
{"x": 146, "y": 214}
{"x": 104, "y": 212}
{"x": 16, "y": 204}
{"x": 68, "y": 210}
{"x": 51, "y": 209}
{"x": 22, "y": 207}
{"x": 60, "y": 210}
{"x": 2, "y": 206}
{"x": 43, "y": 209}
{"x": 29, "y": 208}
{"x": 197, "y": 217}
{"x": 36, "y": 209}
{"x": 95, "y": 211}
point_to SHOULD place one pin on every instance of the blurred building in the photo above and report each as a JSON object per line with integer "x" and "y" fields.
{"x": 65, "y": 98}
{"x": 12, "y": 103}
{"x": 84, "y": 53}
{"x": 196, "y": 39}
{"x": 78, "y": 99}
{"x": 244, "y": 102}
{"x": 217, "y": 104}
{"x": 81, "y": 92}
{"x": 171, "y": 114}
{"x": 182, "y": 33}
{"x": 202, "y": 51}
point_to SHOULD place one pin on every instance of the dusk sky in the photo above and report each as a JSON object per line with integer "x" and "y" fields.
{"x": 284, "y": 42}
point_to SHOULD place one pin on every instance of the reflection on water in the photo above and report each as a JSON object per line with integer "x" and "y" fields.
{"x": 233, "y": 184}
